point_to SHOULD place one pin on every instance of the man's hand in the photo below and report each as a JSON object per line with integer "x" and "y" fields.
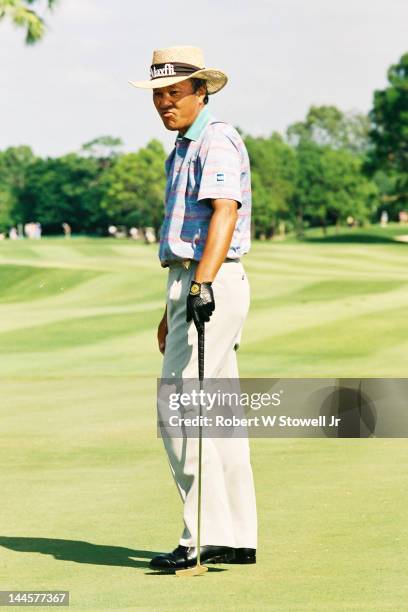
{"x": 200, "y": 304}
{"x": 162, "y": 333}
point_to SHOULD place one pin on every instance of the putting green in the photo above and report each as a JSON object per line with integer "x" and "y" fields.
{"x": 87, "y": 495}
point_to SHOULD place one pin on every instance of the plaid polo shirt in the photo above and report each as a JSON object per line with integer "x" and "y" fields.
{"x": 210, "y": 161}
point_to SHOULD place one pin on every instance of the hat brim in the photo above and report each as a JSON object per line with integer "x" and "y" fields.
{"x": 216, "y": 80}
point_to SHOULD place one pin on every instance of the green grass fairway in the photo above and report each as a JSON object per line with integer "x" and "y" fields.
{"x": 87, "y": 496}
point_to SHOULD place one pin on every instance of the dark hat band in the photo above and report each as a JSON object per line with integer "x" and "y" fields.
{"x": 171, "y": 69}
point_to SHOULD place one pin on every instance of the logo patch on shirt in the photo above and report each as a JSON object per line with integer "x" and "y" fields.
{"x": 220, "y": 177}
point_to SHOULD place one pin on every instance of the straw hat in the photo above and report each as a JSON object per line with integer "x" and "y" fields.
{"x": 175, "y": 64}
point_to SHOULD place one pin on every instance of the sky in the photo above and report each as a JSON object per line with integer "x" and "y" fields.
{"x": 281, "y": 56}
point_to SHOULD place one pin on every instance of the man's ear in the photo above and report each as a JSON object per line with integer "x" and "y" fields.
{"x": 202, "y": 91}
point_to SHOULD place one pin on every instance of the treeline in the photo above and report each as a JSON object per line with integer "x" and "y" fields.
{"x": 331, "y": 168}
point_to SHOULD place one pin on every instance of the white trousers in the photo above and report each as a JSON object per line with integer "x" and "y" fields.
{"x": 228, "y": 503}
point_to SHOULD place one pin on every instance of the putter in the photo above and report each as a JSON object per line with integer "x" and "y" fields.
{"x": 198, "y": 569}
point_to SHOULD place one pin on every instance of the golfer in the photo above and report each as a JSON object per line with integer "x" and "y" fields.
{"x": 205, "y": 233}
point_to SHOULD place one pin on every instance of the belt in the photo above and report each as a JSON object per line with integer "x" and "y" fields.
{"x": 186, "y": 263}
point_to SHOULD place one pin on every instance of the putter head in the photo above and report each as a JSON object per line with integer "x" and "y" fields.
{"x": 197, "y": 570}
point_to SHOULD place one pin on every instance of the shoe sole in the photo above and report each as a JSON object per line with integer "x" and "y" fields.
{"x": 225, "y": 558}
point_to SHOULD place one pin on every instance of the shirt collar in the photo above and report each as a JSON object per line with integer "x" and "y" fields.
{"x": 196, "y": 128}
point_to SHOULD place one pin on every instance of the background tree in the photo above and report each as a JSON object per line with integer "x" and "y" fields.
{"x": 68, "y": 189}
{"x": 347, "y": 191}
{"x": 273, "y": 173}
{"x": 308, "y": 198}
{"x": 327, "y": 125}
{"x": 330, "y": 186}
{"x": 21, "y": 14}
{"x": 388, "y": 156}
{"x": 135, "y": 186}
{"x": 104, "y": 148}
{"x": 14, "y": 164}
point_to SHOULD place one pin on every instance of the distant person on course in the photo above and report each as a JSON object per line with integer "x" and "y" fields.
{"x": 205, "y": 232}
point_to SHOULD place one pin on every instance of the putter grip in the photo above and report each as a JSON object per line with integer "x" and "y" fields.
{"x": 201, "y": 354}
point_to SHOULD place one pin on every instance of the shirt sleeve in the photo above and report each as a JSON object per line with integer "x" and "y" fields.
{"x": 220, "y": 169}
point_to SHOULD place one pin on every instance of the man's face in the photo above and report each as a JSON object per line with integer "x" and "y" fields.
{"x": 178, "y": 105}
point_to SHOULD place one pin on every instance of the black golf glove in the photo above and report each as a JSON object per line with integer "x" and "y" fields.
{"x": 200, "y": 304}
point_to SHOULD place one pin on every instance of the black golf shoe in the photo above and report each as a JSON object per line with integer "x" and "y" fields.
{"x": 183, "y": 557}
{"x": 244, "y": 556}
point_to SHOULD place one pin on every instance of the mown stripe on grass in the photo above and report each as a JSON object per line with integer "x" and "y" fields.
{"x": 26, "y": 283}
{"x": 76, "y": 332}
{"x": 353, "y": 336}
{"x": 325, "y": 290}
